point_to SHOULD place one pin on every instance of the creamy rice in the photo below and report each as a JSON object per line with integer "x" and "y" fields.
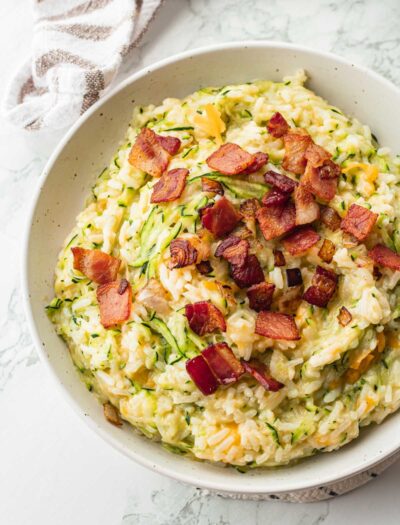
{"x": 145, "y": 378}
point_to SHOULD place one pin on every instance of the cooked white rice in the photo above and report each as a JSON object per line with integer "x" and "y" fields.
{"x": 136, "y": 370}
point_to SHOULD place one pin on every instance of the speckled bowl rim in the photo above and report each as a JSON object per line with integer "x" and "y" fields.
{"x": 240, "y": 487}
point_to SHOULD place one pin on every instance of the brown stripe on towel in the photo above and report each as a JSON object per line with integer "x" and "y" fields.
{"x": 59, "y": 56}
{"x": 85, "y": 31}
{"x": 94, "y": 85}
{"x": 27, "y": 88}
{"x": 81, "y": 9}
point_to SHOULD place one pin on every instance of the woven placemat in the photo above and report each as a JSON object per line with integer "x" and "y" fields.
{"x": 326, "y": 491}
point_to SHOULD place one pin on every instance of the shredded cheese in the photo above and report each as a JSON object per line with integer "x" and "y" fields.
{"x": 211, "y": 122}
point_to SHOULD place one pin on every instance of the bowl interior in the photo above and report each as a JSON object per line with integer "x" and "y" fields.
{"x": 87, "y": 150}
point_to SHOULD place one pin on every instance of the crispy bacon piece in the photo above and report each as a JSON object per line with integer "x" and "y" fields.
{"x": 211, "y": 186}
{"x": 275, "y": 197}
{"x": 230, "y": 159}
{"x": 201, "y": 375}
{"x": 232, "y": 240}
{"x": 359, "y": 222}
{"x": 344, "y": 316}
{"x": 290, "y": 300}
{"x": 329, "y": 170}
{"x": 259, "y": 160}
{"x": 327, "y": 251}
{"x": 260, "y": 372}
{"x": 237, "y": 253}
{"x": 276, "y": 220}
{"x": 330, "y": 218}
{"x": 323, "y": 286}
{"x": 248, "y": 273}
{"x": 204, "y": 267}
{"x": 294, "y": 277}
{"x": 315, "y": 182}
{"x": 183, "y": 253}
{"x": 317, "y": 155}
{"x": 280, "y": 182}
{"x": 115, "y": 300}
{"x": 279, "y": 258}
{"x": 154, "y": 297}
{"x": 170, "y": 186}
{"x": 221, "y": 218}
{"x": 275, "y": 325}
{"x": 248, "y": 209}
{"x": 112, "y": 414}
{"x": 302, "y": 239}
{"x": 223, "y": 363}
{"x": 384, "y": 256}
{"x": 96, "y": 265}
{"x": 204, "y": 318}
{"x": 277, "y": 125}
{"x": 170, "y": 144}
{"x": 147, "y": 154}
{"x": 296, "y": 143}
{"x": 307, "y": 210}
{"x": 260, "y": 296}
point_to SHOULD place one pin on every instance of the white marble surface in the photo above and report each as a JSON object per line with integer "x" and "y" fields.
{"x": 53, "y": 470}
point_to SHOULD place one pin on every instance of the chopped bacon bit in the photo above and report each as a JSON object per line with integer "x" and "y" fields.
{"x": 170, "y": 144}
{"x": 201, "y": 375}
{"x": 260, "y": 296}
{"x": 359, "y": 222}
{"x": 204, "y": 267}
{"x": 330, "y": 218}
{"x": 154, "y": 297}
{"x": 259, "y": 160}
{"x": 275, "y": 197}
{"x": 204, "y": 318}
{"x": 237, "y": 253}
{"x": 96, "y": 265}
{"x": 223, "y": 363}
{"x": 329, "y": 170}
{"x": 275, "y": 325}
{"x": 302, "y": 239}
{"x": 344, "y": 316}
{"x": 327, "y": 251}
{"x": 384, "y": 256}
{"x": 281, "y": 182}
{"x": 260, "y": 372}
{"x": 226, "y": 243}
{"x": 277, "y": 125}
{"x": 307, "y": 210}
{"x": 147, "y": 154}
{"x": 290, "y": 300}
{"x": 115, "y": 307}
{"x": 276, "y": 220}
{"x": 111, "y": 414}
{"x": 323, "y": 286}
{"x": 249, "y": 207}
{"x": 230, "y": 159}
{"x": 170, "y": 186}
{"x": 247, "y": 274}
{"x": 279, "y": 258}
{"x": 183, "y": 253}
{"x": 296, "y": 143}
{"x": 294, "y": 277}
{"x": 377, "y": 273}
{"x": 323, "y": 188}
{"x": 211, "y": 186}
{"x": 317, "y": 155}
{"x": 220, "y": 218}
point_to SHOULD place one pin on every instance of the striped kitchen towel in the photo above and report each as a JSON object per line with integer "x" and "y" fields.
{"x": 77, "y": 49}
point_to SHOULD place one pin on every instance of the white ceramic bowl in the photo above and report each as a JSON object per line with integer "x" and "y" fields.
{"x": 67, "y": 180}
